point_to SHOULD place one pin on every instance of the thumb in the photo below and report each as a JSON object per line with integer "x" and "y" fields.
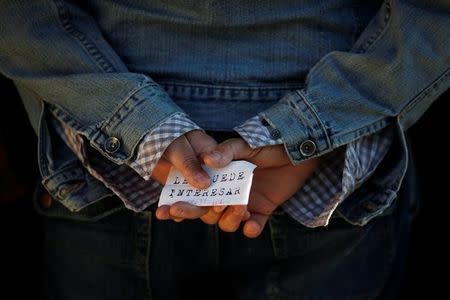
{"x": 183, "y": 157}
{"x": 200, "y": 142}
{"x": 235, "y": 149}
{"x": 255, "y": 225}
{"x": 224, "y": 153}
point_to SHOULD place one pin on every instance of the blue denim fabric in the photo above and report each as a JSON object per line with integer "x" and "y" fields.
{"x": 128, "y": 256}
{"x": 356, "y": 68}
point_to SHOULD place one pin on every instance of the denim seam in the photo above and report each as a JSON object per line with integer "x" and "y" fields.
{"x": 110, "y": 121}
{"x": 92, "y": 132}
{"x": 316, "y": 115}
{"x": 424, "y": 93}
{"x": 227, "y": 86}
{"x": 371, "y": 40}
{"x": 362, "y": 131}
{"x": 90, "y": 48}
{"x": 357, "y": 22}
{"x": 368, "y": 44}
{"x": 62, "y": 115}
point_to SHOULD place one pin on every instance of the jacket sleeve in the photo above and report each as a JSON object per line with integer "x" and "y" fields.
{"x": 56, "y": 51}
{"x": 396, "y": 68}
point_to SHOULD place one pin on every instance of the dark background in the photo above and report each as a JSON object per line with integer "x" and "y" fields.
{"x": 20, "y": 227}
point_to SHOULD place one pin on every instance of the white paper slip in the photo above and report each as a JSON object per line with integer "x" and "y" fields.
{"x": 229, "y": 186}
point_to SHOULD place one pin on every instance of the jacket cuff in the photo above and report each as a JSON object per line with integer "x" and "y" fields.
{"x": 118, "y": 136}
{"x": 258, "y": 133}
{"x": 298, "y": 126}
{"x": 338, "y": 176}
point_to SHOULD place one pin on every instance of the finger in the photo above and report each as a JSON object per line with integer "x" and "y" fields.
{"x": 161, "y": 171}
{"x": 232, "y": 217}
{"x": 255, "y": 225}
{"x": 162, "y": 213}
{"x": 219, "y": 208}
{"x": 260, "y": 207}
{"x": 235, "y": 149}
{"x": 246, "y": 216}
{"x": 259, "y": 203}
{"x": 211, "y": 217}
{"x": 184, "y": 210}
{"x": 183, "y": 157}
{"x": 227, "y": 151}
{"x": 201, "y": 142}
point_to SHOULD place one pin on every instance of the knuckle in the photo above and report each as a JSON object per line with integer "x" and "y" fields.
{"x": 210, "y": 220}
{"x": 176, "y": 211}
{"x": 238, "y": 211}
{"x": 189, "y": 163}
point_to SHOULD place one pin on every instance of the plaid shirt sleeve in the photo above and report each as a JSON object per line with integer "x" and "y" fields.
{"x": 337, "y": 176}
{"x": 129, "y": 181}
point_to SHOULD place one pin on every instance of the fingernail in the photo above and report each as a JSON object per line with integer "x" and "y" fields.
{"x": 160, "y": 215}
{"x": 201, "y": 178}
{"x": 253, "y": 228}
{"x": 216, "y": 156}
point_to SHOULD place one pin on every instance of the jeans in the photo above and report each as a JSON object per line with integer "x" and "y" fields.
{"x": 135, "y": 256}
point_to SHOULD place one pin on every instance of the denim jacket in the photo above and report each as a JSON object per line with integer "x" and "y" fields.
{"x": 97, "y": 67}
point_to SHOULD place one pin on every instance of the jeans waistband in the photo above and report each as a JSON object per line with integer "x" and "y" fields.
{"x": 220, "y": 107}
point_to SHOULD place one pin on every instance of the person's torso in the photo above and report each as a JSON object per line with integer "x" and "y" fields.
{"x": 224, "y": 61}
{"x": 220, "y": 61}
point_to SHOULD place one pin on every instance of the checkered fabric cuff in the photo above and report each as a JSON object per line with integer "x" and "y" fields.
{"x": 257, "y": 133}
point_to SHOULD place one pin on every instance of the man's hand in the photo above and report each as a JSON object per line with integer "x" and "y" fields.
{"x": 275, "y": 180}
{"x": 184, "y": 153}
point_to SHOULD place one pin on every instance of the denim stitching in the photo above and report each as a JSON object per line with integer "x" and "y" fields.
{"x": 82, "y": 39}
{"x": 424, "y": 93}
{"x": 318, "y": 120}
{"x": 379, "y": 32}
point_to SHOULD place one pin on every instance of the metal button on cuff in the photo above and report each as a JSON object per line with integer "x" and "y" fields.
{"x": 112, "y": 144}
{"x": 275, "y": 134}
{"x": 307, "y": 148}
{"x": 65, "y": 190}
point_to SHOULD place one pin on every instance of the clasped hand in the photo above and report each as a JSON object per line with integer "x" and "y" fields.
{"x": 275, "y": 180}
